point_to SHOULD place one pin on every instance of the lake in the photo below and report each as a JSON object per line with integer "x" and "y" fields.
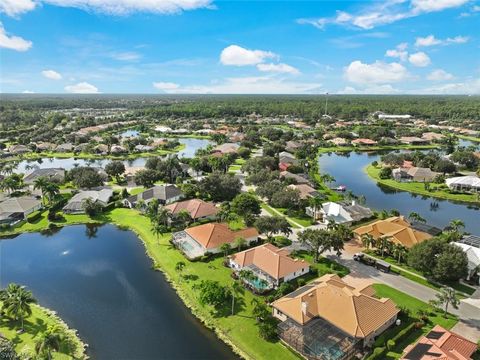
{"x": 347, "y": 169}
{"x": 99, "y": 280}
{"x": 191, "y": 146}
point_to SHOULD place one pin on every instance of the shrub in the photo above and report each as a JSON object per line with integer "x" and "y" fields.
{"x": 390, "y": 344}
{"x": 378, "y": 353}
{"x": 35, "y": 216}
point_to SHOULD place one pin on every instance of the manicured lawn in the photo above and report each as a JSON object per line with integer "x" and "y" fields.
{"x": 419, "y": 188}
{"x": 272, "y": 212}
{"x": 239, "y": 329}
{"x": 324, "y": 265}
{"x": 470, "y": 138}
{"x": 136, "y": 190}
{"x": 34, "y": 325}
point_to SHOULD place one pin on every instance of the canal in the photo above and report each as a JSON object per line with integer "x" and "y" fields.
{"x": 348, "y": 170}
{"x": 99, "y": 280}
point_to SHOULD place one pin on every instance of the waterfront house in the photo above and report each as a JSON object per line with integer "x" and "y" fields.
{"x": 340, "y": 213}
{"x": 432, "y": 136}
{"x": 364, "y": 142}
{"x": 469, "y": 183}
{"x": 198, "y": 240}
{"x": 227, "y": 148}
{"x": 45, "y": 146}
{"x": 75, "y": 204}
{"x": 329, "y": 318}
{"x": 413, "y": 140}
{"x": 269, "y": 263}
{"x": 298, "y": 179}
{"x": 413, "y": 173}
{"x": 65, "y": 148}
{"x": 18, "y": 149}
{"x": 56, "y": 175}
{"x": 165, "y": 194}
{"x": 306, "y": 191}
{"x": 396, "y": 228}
{"x": 15, "y": 209}
{"x": 198, "y": 209}
{"x": 338, "y": 141}
{"x": 441, "y": 344}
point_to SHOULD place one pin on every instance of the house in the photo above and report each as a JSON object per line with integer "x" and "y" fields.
{"x": 165, "y": 194}
{"x": 338, "y": 141}
{"x": 52, "y": 174}
{"x": 441, "y": 344}
{"x": 330, "y": 316}
{"x": 16, "y": 209}
{"x": 143, "y": 148}
{"x": 66, "y": 147}
{"x": 306, "y": 191}
{"x": 364, "y": 142}
{"x": 227, "y": 148}
{"x": 393, "y": 116}
{"x": 413, "y": 140}
{"x": 118, "y": 149}
{"x": 18, "y": 149}
{"x": 270, "y": 263}
{"x": 198, "y": 240}
{"x": 396, "y": 228}
{"x": 470, "y": 245}
{"x": 293, "y": 145}
{"x": 75, "y": 204}
{"x": 340, "y": 213}
{"x": 163, "y": 129}
{"x": 299, "y": 179}
{"x": 131, "y": 171}
{"x": 432, "y": 136}
{"x": 469, "y": 183}
{"x": 198, "y": 209}
{"x": 45, "y": 146}
{"x": 413, "y": 173}
{"x": 101, "y": 149}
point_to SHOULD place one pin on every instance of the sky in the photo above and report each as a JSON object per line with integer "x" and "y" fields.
{"x": 240, "y": 47}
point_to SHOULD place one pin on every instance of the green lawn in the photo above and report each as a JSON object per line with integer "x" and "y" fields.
{"x": 418, "y": 188}
{"x": 36, "y": 324}
{"x": 270, "y": 210}
{"x": 324, "y": 265}
{"x": 470, "y": 138}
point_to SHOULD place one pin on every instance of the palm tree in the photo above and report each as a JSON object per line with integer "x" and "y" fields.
{"x": 164, "y": 216}
{"x": 399, "y": 251}
{"x": 384, "y": 243}
{"x": 456, "y": 225}
{"x": 152, "y": 209}
{"x": 327, "y": 178}
{"x": 158, "y": 230}
{"x": 183, "y": 218}
{"x": 90, "y": 206}
{"x": 447, "y": 296}
{"x": 416, "y": 217}
{"x": 179, "y": 267}
{"x": 368, "y": 240}
{"x": 315, "y": 202}
{"x": 234, "y": 289}
{"x": 17, "y": 302}
{"x": 48, "y": 342}
{"x": 239, "y": 242}
{"x": 51, "y": 191}
{"x": 225, "y": 248}
{"x": 40, "y": 183}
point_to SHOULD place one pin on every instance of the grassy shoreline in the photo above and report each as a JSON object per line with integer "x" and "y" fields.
{"x": 35, "y": 324}
{"x": 239, "y": 331}
{"x": 418, "y": 188}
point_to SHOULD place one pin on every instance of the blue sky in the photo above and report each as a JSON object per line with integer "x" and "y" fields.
{"x": 206, "y": 46}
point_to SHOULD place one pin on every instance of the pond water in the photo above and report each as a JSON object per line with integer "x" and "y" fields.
{"x": 191, "y": 146}
{"x": 99, "y": 280}
{"x": 130, "y": 133}
{"x": 347, "y": 169}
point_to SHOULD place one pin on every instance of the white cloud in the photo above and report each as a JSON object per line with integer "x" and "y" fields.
{"x": 384, "y": 12}
{"x": 278, "y": 68}
{"x": 51, "y": 74}
{"x": 28, "y": 92}
{"x": 251, "y": 85}
{"x": 165, "y": 86}
{"x": 111, "y": 7}
{"x": 376, "y": 73}
{"x": 431, "y": 40}
{"x": 439, "y": 75}
{"x": 238, "y": 56}
{"x": 436, "y": 5}
{"x": 399, "y": 52}
{"x": 81, "y": 88}
{"x": 419, "y": 59}
{"x": 16, "y": 7}
{"x": 469, "y": 87}
{"x": 126, "y": 56}
{"x": 13, "y": 42}
{"x": 377, "y": 89}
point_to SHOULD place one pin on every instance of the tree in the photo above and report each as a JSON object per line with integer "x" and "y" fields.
{"x": 7, "y": 350}
{"x": 152, "y": 209}
{"x": 12, "y": 183}
{"x": 146, "y": 177}
{"x": 368, "y": 241}
{"x": 451, "y": 264}
{"x": 327, "y": 178}
{"x": 235, "y": 288}
{"x": 158, "y": 229}
{"x": 315, "y": 203}
{"x": 85, "y": 177}
{"x": 213, "y": 293}
{"x": 416, "y": 217}
{"x": 225, "y": 248}
{"x": 246, "y": 204}
{"x": 399, "y": 252}
{"x": 239, "y": 242}
{"x": 220, "y": 187}
{"x": 287, "y": 198}
{"x": 179, "y": 267}
{"x": 51, "y": 190}
{"x": 447, "y": 296}
{"x": 16, "y": 302}
{"x": 385, "y": 173}
{"x": 115, "y": 169}
{"x": 383, "y": 244}
{"x": 319, "y": 241}
{"x": 49, "y": 341}
{"x": 271, "y": 225}
{"x": 456, "y": 225}
{"x": 41, "y": 183}
{"x": 91, "y": 207}
{"x": 182, "y": 218}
